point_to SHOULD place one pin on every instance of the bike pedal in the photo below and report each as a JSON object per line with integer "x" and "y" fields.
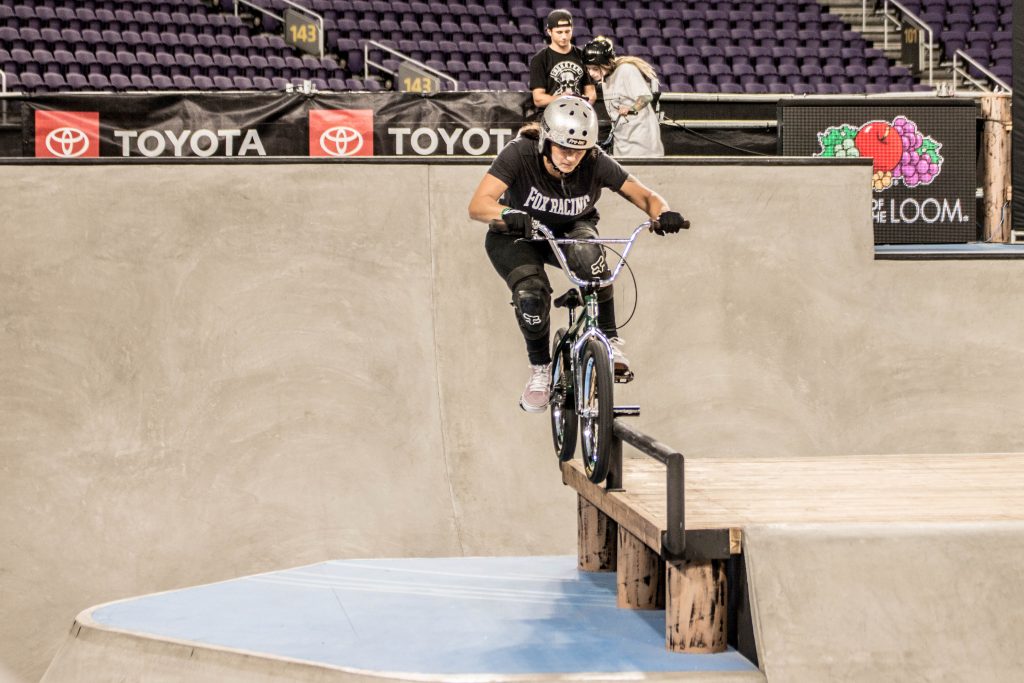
{"x": 623, "y": 376}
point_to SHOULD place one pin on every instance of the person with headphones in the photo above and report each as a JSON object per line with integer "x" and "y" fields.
{"x": 630, "y": 89}
{"x": 558, "y": 68}
{"x": 554, "y": 172}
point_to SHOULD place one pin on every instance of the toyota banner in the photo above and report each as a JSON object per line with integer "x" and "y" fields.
{"x": 923, "y": 160}
{"x": 68, "y": 126}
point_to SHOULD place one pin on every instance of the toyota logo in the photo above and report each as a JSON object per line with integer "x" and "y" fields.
{"x": 341, "y": 141}
{"x": 67, "y": 142}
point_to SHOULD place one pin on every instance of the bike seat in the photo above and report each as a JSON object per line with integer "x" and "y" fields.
{"x": 570, "y": 299}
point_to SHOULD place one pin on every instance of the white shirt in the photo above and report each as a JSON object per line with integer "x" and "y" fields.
{"x": 636, "y": 135}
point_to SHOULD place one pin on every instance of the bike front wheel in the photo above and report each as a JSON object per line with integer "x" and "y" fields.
{"x": 563, "y": 401}
{"x": 598, "y": 410}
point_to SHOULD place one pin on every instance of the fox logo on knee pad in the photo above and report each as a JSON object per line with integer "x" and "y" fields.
{"x": 599, "y": 266}
{"x": 532, "y": 319}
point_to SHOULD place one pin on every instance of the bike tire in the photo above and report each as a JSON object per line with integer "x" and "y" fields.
{"x": 563, "y": 402}
{"x": 598, "y": 411}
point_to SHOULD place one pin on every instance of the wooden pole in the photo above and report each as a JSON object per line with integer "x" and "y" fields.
{"x": 641, "y": 576}
{"x": 696, "y": 618}
{"x": 995, "y": 152}
{"x": 596, "y": 534}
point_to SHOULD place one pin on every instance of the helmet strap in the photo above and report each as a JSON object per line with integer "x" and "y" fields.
{"x": 551, "y": 160}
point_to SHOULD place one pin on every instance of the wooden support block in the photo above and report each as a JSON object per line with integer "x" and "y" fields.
{"x": 641, "y": 574}
{"x": 696, "y": 614}
{"x": 597, "y": 533}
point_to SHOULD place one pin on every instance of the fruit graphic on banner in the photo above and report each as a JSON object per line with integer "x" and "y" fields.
{"x": 897, "y": 150}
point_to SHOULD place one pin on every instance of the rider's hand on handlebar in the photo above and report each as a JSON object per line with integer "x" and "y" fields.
{"x": 669, "y": 221}
{"x": 518, "y": 222}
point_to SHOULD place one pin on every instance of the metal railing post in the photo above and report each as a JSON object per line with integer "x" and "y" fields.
{"x": 613, "y": 482}
{"x": 675, "y": 535}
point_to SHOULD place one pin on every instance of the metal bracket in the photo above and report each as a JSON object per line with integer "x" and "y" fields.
{"x": 699, "y": 545}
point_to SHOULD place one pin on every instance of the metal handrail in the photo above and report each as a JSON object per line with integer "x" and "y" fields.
{"x": 920, "y": 23}
{"x": 367, "y": 63}
{"x": 676, "y": 543}
{"x": 319, "y": 18}
{"x": 960, "y": 54}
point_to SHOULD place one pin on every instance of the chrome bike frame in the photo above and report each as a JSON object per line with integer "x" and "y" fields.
{"x": 588, "y": 321}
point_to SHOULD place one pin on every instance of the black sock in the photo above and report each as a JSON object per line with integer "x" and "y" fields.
{"x": 538, "y": 351}
{"x": 606, "y": 318}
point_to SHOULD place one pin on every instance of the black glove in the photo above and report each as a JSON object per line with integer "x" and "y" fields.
{"x": 518, "y": 223}
{"x": 669, "y": 221}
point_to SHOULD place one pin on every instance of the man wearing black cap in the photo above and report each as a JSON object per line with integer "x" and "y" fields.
{"x": 558, "y": 69}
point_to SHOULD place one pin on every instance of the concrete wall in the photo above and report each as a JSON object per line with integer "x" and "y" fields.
{"x": 215, "y": 370}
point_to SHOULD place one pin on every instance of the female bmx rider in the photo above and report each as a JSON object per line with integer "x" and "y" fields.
{"x": 555, "y": 173}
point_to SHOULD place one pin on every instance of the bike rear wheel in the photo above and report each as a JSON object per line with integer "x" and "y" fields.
{"x": 598, "y": 411}
{"x": 563, "y": 401}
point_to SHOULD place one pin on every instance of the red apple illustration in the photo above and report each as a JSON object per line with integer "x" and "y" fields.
{"x": 881, "y": 142}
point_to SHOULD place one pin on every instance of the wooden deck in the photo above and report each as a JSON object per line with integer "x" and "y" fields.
{"x": 730, "y": 492}
{"x": 622, "y": 530}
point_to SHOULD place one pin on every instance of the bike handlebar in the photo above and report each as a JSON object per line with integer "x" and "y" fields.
{"x": 542, "y": 232}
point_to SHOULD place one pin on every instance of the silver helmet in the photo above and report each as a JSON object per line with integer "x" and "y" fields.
{"x": 570, "y": 122}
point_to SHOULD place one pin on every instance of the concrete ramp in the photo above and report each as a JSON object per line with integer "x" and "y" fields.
{"x": 888, "y": 602}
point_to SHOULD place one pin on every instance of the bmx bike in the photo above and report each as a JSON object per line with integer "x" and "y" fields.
{"x": 582, "y": 371}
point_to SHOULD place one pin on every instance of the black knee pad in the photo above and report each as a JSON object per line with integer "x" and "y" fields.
{"x": 532, "y": 300}
{"x": 587, "y": 260}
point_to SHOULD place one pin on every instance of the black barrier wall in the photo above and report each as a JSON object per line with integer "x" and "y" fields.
{"x": 270, "y": 124}
{"x": 924, "y": 160}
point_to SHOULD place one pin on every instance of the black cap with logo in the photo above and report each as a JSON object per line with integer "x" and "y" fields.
{"x": 558, "y": 18}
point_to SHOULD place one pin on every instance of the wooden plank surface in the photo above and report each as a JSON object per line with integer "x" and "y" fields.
{"x": 730, "y": 492}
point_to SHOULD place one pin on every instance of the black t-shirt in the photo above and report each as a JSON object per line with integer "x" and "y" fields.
{"x": 555, "y": 203}
{"x": 559, "y": 74}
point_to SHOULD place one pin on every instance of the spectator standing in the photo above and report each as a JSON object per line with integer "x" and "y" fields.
{"x": 629, "y": 91}
{"x": 558, "y": 69}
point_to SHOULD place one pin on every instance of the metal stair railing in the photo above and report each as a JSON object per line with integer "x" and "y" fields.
{"x": 928, "y": 47}
{"x": 299, "y": 8}
{"x": 958, "y": 70}
{"x": 367, "y": 63}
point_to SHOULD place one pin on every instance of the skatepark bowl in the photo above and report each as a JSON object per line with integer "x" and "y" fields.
{"x": 261, "y": 424}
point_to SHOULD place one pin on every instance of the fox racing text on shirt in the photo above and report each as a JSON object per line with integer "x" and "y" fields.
{"x": 568, "y": 206}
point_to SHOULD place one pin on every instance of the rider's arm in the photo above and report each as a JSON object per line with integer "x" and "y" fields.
{"x": 643, "y": 197}
{"x": 541, "y": 98}
{"x": 484, "y": 205}
{"x": 590, "y": 92}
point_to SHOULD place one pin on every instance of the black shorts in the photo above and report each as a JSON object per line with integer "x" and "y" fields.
{"x": 516, "y": 258}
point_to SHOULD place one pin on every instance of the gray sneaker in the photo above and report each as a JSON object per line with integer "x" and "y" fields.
{"x": 538, "y": 389}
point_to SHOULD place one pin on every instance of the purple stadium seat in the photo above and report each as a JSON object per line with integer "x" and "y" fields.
{"x": 77, "y": 82}
{"x": 120, "y": 82}
{"x": 31, "y": 82}
{"x": 141, "y": 82}
{"x": 55, "y": 82}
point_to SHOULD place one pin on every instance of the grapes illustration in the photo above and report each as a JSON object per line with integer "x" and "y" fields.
{"x": 898, "y": 151}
